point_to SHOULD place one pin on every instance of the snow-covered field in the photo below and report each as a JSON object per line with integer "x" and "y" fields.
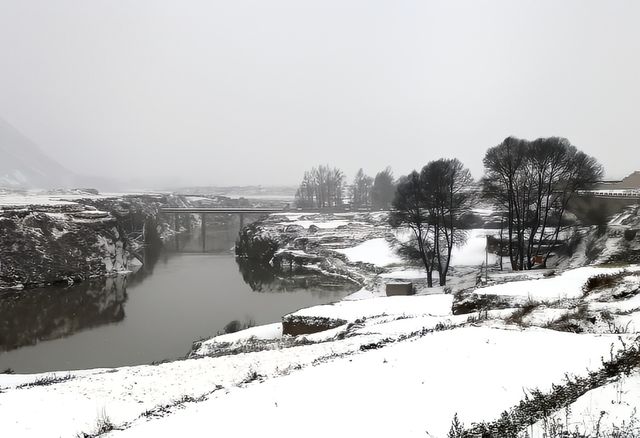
{"x": 407, "y": 389}
{"x": 378, "y": 252}
{"x": 35, "y": 199}
{"x": 569, "y": 284}
{"x": 611, "y": 406}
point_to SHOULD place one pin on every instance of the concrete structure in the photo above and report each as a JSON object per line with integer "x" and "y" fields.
{"x": 394, "y": 289}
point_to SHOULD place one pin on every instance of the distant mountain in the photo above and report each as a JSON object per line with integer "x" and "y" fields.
{"x": 23, "y": 165}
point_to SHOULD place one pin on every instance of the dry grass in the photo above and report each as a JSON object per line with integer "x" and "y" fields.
{"x": 517, "y": 316}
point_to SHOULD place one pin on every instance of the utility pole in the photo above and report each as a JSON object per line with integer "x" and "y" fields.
{"x": 486, "y": 259}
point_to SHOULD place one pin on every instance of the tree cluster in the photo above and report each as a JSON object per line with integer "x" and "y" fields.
{"x": 321, "y": 187}
{"x": 324, "y": 187}
{"x": 532, "y": 182}
{"x": 431, "y": 203}
{"x": 361, "y": 190}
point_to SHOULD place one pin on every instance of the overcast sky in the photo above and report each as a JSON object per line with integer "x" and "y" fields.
{"x": 253, "y": 92}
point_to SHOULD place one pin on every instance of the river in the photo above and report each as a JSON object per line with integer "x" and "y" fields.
{"x": 180, "y": 295}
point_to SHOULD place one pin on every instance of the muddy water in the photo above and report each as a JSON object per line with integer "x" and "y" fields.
{"x": 180, "y": 295}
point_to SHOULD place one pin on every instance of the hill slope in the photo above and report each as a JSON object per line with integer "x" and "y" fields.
{"x": 24, "y": 165}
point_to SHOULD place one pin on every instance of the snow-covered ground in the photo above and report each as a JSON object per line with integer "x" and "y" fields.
{"x": 378, "y": 252}
{"x": 569, "y": 284}
{"x": 433, "y": 305}
{"x": 611, "y": 406}
{"x": 36, "y": 199}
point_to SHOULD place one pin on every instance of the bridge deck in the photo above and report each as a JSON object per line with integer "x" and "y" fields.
{"x": 221, "y": 210}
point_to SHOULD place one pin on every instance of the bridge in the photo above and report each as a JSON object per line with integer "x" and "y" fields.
{"x": 203, "y": 211}
{"x": 221, "y": 210}
{"x": 611, "y": 193}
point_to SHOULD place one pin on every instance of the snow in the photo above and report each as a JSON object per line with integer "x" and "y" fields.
{"x": 408, "y": 389}
{"x": 610, "y": 405}
{"x": 435, "y": 305}
{"x": 290, "y": 216}
{"x": 406, "y": 274}
{"x": 363, "y": 294}
{"x": 378, "y": 252}
{"x": 194, "y": 198}
{"x": 569, "y": 284}
{"x": 627, "y": 305}
{"x": 17, "y": 201}
{"x": 543, "y": 315}
{"x": 263, "y": 332}
{"x": 320, "y": 224}
{"x": 472, "y": 252}
{"x": 294, "y": 252}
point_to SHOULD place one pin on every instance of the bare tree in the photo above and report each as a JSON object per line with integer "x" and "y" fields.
{"x": 361, "y": 189}
{"x": 448, "y": 195}
{"x": 383, "y": 190}
{"x": 534, "y": 182}
{"x": 431, "y": 203}
{"x": 410, "y": 209}
{"x": 321, "y": 187}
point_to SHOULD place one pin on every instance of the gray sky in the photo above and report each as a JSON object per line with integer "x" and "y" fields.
{"x": 254, "y": 92}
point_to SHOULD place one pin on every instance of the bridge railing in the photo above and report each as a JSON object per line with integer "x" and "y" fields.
{"x": 619, "y": 193}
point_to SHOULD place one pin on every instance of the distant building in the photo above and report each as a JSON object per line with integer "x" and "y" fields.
{"x": 631, "y": 182}
{"x": 629, "y": 187}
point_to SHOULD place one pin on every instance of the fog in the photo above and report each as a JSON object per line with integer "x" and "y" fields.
{"x": 254, "y": 92}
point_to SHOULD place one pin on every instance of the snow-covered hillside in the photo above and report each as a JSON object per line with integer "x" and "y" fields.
{"x": 24, "y": 165}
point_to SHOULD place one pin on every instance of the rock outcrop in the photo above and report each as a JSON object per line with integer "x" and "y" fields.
{"x": 47, "y": 240}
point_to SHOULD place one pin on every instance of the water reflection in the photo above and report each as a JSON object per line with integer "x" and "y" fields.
{"x": 27, "y": 318}
{"x": 262, "y": 277}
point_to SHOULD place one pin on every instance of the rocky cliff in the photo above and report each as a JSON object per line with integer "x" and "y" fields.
{"x": 46, "y": 240}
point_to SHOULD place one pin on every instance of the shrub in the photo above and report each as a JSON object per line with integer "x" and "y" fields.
{"x": 252, "y": 245}
{"x": 570, "y": 321}
{"x": 538, "y": 405}
{"x": 517, "y": 316}
{"x": 46, "y": 381}
{"x": 602, "y": 281}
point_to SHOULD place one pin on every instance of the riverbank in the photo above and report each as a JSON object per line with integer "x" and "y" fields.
{"x": 74, "y": 236}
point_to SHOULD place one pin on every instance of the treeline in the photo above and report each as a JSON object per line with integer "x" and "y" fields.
{"x": 326, "y": 187}
{"x": 528, "y": 183}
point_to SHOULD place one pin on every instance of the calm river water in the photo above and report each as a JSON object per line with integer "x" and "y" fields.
{"x": 179, "y": 296}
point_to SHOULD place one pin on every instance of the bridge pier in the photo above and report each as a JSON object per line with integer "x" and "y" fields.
{"x": 176, "y": 225}
{"x": 203, "y": 231}
{"x": 203, "y": 211}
